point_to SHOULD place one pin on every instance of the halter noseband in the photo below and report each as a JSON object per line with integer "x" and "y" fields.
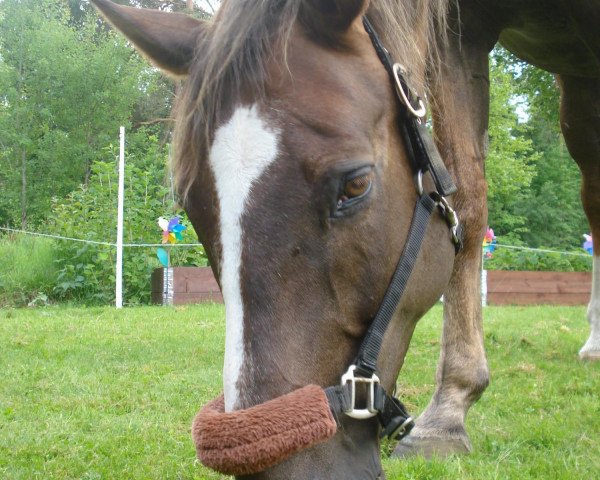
{"x": 252, "y": 449}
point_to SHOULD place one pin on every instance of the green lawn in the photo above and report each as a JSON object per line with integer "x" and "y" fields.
{"x": 100, "y": 394}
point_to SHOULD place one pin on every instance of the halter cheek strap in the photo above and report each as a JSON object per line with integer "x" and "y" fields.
{"x": 393, "y": 416}
{"x": 391, "y": 413}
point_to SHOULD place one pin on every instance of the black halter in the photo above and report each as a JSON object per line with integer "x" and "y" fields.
{"x": 395, "y": 421}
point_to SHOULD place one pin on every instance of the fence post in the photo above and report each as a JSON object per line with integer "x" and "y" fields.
{"x": 483, "y": 283}
{"x": 120, "y": 202}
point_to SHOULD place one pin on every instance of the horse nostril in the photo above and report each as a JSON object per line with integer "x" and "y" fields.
{"x": 295, "y": 251}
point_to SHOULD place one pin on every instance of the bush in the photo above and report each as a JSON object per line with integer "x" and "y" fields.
{"x": 86, "y": 273}
{"x": 509, "y": 259}
{"x": 27, "y": 271}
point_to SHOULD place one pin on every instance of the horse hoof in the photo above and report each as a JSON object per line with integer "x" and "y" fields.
{"x": 429, "y": 447}
{"x": 590, "y": 355}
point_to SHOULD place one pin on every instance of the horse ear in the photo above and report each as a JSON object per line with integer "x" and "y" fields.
{"x": 168, "y": 39}
{"x": 332, "y": 17}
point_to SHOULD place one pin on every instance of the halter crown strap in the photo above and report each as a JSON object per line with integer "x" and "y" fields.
{"x": 425, "y": 154}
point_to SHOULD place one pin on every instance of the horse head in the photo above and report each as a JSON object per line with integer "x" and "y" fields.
{"x": 294, "y": 171}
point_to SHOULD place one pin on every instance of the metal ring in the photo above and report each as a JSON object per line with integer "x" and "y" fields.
{"x": 422, "y": 110}
{"x": 419, "y": 181}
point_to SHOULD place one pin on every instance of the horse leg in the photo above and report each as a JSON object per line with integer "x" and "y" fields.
{"x": 580, "y": 123}
{"x": 460, "y": 94}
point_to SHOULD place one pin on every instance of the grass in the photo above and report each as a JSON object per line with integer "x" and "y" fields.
{"x": 28, "y": 272}
{"x": 103, "y": 394}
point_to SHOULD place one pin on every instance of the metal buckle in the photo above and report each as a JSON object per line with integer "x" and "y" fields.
{"x": 446, "y": 210}
{"x": 422, "y": 110}
{"x": 402, "y": 430}
{"x": 451, "y": 218}
{"x": 360, "y": 413}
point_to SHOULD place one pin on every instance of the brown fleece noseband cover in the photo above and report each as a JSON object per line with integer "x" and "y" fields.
{"x": 249, "y": 441}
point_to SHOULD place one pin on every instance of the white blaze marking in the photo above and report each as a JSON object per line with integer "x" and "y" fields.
{"x": 592, "y": 346}
{"x": 242, "y": 149}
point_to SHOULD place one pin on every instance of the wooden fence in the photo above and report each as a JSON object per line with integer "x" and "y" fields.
{"x": 181, "y": 285}
{"x": 538, "y": 288}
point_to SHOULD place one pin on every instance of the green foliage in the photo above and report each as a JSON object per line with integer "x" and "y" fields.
{"x": 554, "y": 212}
{"x": 27, "y": 271}
{"x": 87, "y": 272}
{"x": 64, "y": 93}
{"x": 509, "y": 259}
{"x": 67, "y": 82}
{"x": 540, "y": 90}
{"x": 510, "y": 164}
{"x": 543, "y": 207}
{"x": 98, "y": 393}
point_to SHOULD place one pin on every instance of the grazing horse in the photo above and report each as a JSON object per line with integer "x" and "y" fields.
{"x": 295, "y": 176}
{"x": 559, "y": 36}
{"x": 295, "y": 160}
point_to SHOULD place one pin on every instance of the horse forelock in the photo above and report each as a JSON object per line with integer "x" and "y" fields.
{"x": 232, "y": 58}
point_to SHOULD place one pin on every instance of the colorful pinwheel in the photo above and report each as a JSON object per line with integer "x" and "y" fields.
{"x": 588, "y": 245}
{"x": 172, "y": 232}
{"x": 171, "y": 229}
{"x": 489, "y": 243}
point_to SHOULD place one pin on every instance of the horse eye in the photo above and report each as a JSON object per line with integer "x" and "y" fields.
{"x": 357, "y": 186}
{"x": 354, "y": 190}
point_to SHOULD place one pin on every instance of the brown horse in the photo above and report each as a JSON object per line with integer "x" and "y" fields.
{"x": 562, "y": 37}
{"x": 297, "y": 177}
{"x": 282, "y": 101}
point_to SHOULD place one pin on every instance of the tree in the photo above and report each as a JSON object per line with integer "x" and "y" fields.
{"x": 511, "y": 157}
{"x": 554, "y": 212}
{"x": 545, "y": 210}
{"x": 65, "y": 92}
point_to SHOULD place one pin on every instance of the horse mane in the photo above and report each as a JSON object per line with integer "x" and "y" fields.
{"x": 243, "y": 36}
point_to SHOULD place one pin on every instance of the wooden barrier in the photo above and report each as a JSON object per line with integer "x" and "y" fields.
{"x": 538, "y": 288}
{"x": 183, "y": 285}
